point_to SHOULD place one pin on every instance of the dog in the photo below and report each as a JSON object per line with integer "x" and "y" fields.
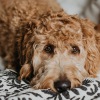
{"x": 47, "y": 46}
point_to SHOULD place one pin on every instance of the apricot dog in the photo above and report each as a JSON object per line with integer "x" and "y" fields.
{"x": 46, "y": 46}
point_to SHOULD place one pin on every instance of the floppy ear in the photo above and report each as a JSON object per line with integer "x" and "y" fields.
{"x": 25, "y": 42}
{"x": 93, "y": 54}
{"x": 97, "y": 28}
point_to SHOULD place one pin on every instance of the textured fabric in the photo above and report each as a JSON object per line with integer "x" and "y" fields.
{"x": 13, "y": 89}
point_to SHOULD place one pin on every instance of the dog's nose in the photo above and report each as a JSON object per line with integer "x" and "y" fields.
{"x": 62, "y": 86}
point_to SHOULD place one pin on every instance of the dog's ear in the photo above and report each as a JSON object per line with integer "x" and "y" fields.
{"x": 97, "y": 28}
{"x": 90, "y": 45}
{"x": 25, "y": 42}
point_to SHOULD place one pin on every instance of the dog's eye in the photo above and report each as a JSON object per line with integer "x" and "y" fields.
{"x": 49, "y": 48}
{"x": 75, "y": 50}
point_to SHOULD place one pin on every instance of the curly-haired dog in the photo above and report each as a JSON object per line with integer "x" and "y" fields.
{"x": 50, "y": 48}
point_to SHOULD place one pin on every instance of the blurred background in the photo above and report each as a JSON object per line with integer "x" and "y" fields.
{"x": 84, "y": 8}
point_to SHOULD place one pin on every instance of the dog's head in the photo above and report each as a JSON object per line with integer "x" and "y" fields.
{"x": 60, "y": 50}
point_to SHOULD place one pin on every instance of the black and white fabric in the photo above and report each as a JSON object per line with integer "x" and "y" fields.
{"x": 13, "y": 89}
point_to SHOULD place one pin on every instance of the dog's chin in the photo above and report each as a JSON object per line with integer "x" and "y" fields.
{"x": 46, "y": 84}
{"x": 49, "y": 84}
{"x": 76, "y": 83}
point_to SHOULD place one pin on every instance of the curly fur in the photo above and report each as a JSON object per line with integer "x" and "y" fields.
{"x": 26, "y": 27}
